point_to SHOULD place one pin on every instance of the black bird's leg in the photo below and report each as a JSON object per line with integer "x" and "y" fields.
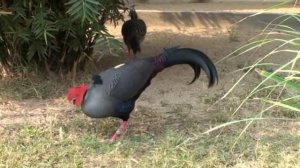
{"x": 120, "y": 131}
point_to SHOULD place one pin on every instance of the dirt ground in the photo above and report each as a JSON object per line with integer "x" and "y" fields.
{"x": 168, "y": 91}
{"x": 237, "y": 7}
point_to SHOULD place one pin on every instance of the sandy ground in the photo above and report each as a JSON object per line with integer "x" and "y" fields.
{"x": 169, "y": 90}
{"x": 238, "y": 7}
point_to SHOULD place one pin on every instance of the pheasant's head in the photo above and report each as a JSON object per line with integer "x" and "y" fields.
{"x": 76, "y": 94}
{"x": 132, "y": 14}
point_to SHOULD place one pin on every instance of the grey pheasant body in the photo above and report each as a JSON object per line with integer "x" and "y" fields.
{"x": 117, "y": 85}
{"x": 113, "y": 92}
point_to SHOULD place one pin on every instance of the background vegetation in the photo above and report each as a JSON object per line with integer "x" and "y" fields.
{"x": 279, "y": 86}
{"x": 55, "y": 35}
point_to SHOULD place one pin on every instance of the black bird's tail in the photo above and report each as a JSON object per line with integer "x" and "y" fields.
{"x": 134, "y": 44}
{"x": 195, "y": 58}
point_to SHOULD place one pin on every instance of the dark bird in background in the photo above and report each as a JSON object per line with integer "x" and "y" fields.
{"x": 133, "y": 32}
{"x": 113, "y": 92}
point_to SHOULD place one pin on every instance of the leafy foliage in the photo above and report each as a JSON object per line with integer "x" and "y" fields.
{"x": 278, "y": 92}
{"x": 55, "y": 35}
{"x": 285, "y": 72}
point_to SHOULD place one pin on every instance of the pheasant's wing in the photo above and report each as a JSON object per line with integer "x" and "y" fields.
{"x": 126, "y": 80}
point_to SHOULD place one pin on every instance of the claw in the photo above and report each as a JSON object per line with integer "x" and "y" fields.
{"x": 120, "y": 131}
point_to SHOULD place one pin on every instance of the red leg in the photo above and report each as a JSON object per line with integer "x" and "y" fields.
{"x": 120, "y": 131}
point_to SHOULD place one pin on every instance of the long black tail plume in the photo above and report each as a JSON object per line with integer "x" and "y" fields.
{"x": 175, "y": 55}
{"x": 195, "y": 58}
{"x": 134, "y": 44}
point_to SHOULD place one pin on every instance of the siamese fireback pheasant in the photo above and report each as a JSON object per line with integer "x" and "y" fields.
{"x": 113, "y": 92}
{"x": 133, "y": 32}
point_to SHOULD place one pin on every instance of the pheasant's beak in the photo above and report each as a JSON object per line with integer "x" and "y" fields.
{"x": 73, "y": 100}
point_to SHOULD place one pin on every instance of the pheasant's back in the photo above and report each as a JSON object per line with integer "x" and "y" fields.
{"x": 141, "y": 29}
{"x": 125, "y": 81}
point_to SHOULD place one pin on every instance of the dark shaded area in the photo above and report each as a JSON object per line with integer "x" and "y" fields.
{"x": 215, "y": 19}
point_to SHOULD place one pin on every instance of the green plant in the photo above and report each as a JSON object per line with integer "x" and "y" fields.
{"x": 286, "y": 41}
{"x": 283, "y": 59}
{"x": 55, "y": 35}
{"x": 277, "y": 78}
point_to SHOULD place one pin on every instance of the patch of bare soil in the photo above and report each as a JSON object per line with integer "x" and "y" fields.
{"x": 168, "y": 92}
{"x": 221, "y": 7}
{"x": 31, "y": 110}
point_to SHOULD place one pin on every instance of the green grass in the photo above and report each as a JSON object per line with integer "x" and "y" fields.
{"x": 275, "y": 53}
{"x": 173, "y": 139}
{"x": 20, "y": 89}
{"x": 35, "y": 146}
{"x": 79, "y": 142}
{"x": 28, "y": 146}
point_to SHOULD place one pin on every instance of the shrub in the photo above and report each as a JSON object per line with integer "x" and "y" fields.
{"x": 55, "y": 35}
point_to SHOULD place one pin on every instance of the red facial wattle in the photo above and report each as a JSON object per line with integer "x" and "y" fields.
{"x": 76, "y": 94}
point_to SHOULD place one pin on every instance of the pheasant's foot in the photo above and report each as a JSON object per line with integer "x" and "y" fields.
{"x": 120, "y": 131}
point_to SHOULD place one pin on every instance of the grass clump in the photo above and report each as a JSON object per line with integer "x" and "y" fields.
{"x": 36, "y": 146}
{"x": 278, "y": 86}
